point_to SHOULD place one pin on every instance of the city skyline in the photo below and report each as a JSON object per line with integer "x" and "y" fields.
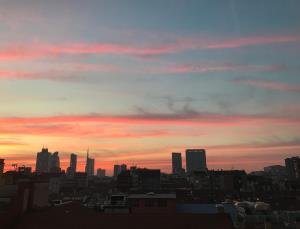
{"x": 197, "y": 162}
{"x": 135, "y": 81}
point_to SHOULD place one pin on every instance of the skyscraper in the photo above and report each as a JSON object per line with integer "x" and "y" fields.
{"x": 71, "y": 170}
{"x": 117, "y": 170}
{"x": 292, "y": 165}
{"x": 195, "y": 160}
{"x": 89, "y": 167}
{"x": 54, "y": 163}
{"x": 123, "y": 167}
{"x": 1, "y": 166}
{"x": 42, "y": 161}
{"x": 73, "y": 162}
{"x": 176, "y": 163}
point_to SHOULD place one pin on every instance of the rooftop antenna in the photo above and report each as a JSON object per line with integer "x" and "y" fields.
{"x": 87, "y": 152}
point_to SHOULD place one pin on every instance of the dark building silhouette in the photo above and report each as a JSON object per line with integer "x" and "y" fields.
{"x": 101, "y": 172}
{"x": 54, "y": 164}
{"x": 73, "y": 162}
{"x": 1, "y": 166}
{"x": 148, "y": 179}
{"x": 124, "y": 181}
{"x": 195, "y": 160}
{"x": 24, "y": 170}
{"x": 292, "y": 165}
{"x": 71, "y": 170}
{"x": 123, "y": 167}
{"x": 89, "y": 166}
{"x": 117, "y": 170}
{"x": 176, "y": 163}
{"x": 42, "y": 161}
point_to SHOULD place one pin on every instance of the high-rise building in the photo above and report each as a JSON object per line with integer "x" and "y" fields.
{"x": 73, "y": 162}
{"x": 54, "y": 163}
{"x": 42, "y": 161}
{"x": 71, "y": 170}
{"x": 117, "y": 170}
{"x": 176, "y": 163}
{"x": 292, "y": 165}
{"x": 89, "y": 167}
{"x": 123, "y": 167}
{"x": 195, "y": 160}
{"x": 100, "y": 172}
{"x": 1, "y": 166}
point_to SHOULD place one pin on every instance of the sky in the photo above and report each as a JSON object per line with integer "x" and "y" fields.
{"x": 135, "y": 80}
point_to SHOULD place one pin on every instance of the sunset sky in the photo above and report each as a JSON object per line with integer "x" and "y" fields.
{"x": 136, "y": 80}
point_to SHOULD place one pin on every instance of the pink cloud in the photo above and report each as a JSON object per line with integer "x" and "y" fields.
{"x": 271, "y": 85}
{"x": 255, "y": 40}
{"x": 203, "y": 68}
{"x": 188, "y": 119}
{"x": 38, "y": 50}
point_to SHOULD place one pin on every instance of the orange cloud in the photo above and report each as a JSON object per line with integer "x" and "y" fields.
{"x": 185, "y": 118}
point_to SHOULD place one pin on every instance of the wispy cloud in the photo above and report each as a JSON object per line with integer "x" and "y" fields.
{"x": 38, "y": 49}
{"x": 188, "y": 118}
{"x": 209, "y": 67}
{"x": 270, "y": 85}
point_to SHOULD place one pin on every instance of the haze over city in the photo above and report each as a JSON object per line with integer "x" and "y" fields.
{"x": 134, "y": 81}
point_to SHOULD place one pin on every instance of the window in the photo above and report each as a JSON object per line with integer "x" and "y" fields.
{"x": 135, "y": 203}
{"x": 162, "y": 203}
{"x": 149, "y": 203}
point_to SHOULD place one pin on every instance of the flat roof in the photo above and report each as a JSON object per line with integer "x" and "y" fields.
{"x": 152, "y": 196}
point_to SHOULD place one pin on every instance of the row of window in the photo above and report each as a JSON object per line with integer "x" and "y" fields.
{"x": 149, "y": 203}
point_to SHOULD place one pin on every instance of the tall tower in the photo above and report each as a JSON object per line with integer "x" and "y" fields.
{"x": 90, "y": 164}
{"x": 43, "y": 161}
{"x": 195, "y": 160}
{"x": 54, "y": 164}
{"x": 176, "y": 163}
{"x": 73, "y": 162}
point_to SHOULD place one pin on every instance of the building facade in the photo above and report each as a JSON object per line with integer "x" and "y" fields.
{"x": 1, "y": 166}
{"x": 117, "y": 170}
{"x": 89, "y": 167}
{"x": 176, "y": 163}
{"x": 43, "y": 161}
{"x": 195, "y": 160}
{"x": 292, "y": 165}
{"x": 54, "y": 164}
{"x": 101, "y": 172}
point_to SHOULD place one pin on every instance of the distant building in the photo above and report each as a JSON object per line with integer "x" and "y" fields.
{"x": 1, "y": 166}
{"x": 73, "y": 162}
{"x": 276, "y": 170}
{"x": 148, "y": 179}
{"x": 71, "y": 170}
{"x": 117, "y": 170}
{"x": 100, "y": 172}
{"x": 292, "y": 165}
{"x": 24, "y": 170}
{"x": 124, "y": 181}
{"x": 54, "y": 164}
{"x": 42, "y": 161}
{"x": 176, "y": 163}
{"x": 89, "y": 167}
{"x": 195, "y": 160}
{"x": 123, "y": 167}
